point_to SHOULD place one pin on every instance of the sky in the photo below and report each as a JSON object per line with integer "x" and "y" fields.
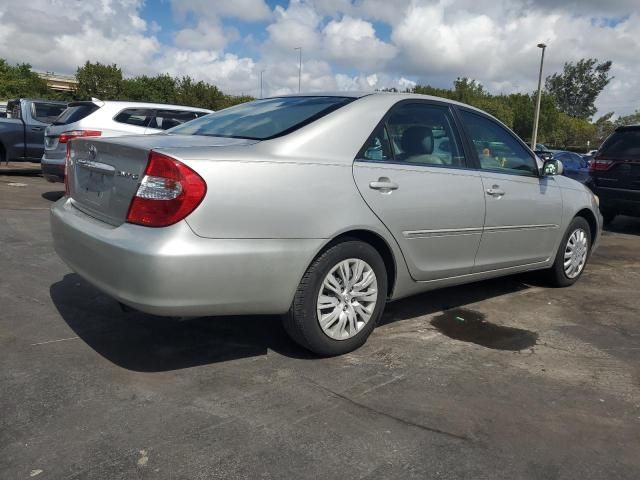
{"x": 346, "y": 44}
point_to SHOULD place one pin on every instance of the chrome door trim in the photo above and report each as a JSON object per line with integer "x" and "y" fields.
{"x": 472, "y": 231}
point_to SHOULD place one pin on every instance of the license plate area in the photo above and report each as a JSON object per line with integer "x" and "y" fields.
{"x": 94, "y": 183}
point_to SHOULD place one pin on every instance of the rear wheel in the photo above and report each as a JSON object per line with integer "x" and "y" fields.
{"x": 572, "y": 255}
{"x": 339, "y": 300}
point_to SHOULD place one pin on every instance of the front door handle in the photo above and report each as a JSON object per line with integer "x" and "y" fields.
{"x": 495, "y": 191}
{"x": 384, "y": 185}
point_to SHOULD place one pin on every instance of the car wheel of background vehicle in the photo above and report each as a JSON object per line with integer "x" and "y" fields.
{"x": 339, "y": 300}
{"x": 572, "y": 255}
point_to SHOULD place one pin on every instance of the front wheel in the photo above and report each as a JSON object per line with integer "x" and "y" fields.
{"x": 572, "y": 255}
{"x": 339, "y": 300}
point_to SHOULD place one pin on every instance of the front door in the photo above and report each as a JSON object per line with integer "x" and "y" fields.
{"x": 413, "y": 174}
{"x": 523, "y": 209}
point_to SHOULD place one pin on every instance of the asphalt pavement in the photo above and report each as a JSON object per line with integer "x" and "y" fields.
{"x": 504, "y": 379}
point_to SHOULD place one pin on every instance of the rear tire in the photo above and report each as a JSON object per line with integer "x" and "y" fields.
{"x": 572, "y": 256}
{"x": 338, "y": 289}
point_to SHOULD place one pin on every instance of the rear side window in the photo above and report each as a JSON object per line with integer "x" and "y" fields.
{"x": 140, "y": 117}
{"x": 416, "y": 133}
{"x": 166, "y": 119}
{"x": 46, "y": 112}
{"x": 75, "y": 113}
{"x": 622, "y": 144}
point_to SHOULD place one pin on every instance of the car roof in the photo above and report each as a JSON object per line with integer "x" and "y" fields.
{"x": 118, "y": 104}
{"x": 125, "y": 104}
{"x": 399, "y": 95}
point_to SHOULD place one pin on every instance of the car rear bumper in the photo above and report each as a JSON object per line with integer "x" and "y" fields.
{"x": 52, "y": 169}
{"x": 619, "y": 200}
{"x": 171, "y": 271}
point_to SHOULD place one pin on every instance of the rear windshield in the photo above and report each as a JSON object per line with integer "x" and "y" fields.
{"x": 75, "y": 113}
{"x": 623, "y": 144}
{"x": 46, "y": 112}
{"x": 263, "y": 119}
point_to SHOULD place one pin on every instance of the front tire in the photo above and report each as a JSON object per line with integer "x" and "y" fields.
{"x": 573, "y": 254}
{"x": 339, "y": 300}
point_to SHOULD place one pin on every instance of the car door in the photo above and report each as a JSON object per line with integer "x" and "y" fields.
{"x": 523, "y": 209}
{"x": 39, "y": 116}
{"x": 413, "y": 174}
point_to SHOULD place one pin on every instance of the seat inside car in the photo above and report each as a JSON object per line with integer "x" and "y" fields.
{"x": 417, "y": 146}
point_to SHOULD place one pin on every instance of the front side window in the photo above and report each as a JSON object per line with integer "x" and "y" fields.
{"x": 497, "y": 149}
{"x": 140, "y": 117}
{"x": 416, "y": 133}
{"x": 263, "y": 119}
{"x": 46, "y": 112}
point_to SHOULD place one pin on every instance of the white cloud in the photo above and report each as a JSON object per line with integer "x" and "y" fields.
{"x": 431, "y": 41}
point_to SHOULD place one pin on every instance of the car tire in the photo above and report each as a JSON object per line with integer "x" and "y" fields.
{"x": 574, "y": 249}
{"x": 342, "y": 310}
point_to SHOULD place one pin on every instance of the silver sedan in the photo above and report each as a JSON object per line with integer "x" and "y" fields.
{"x": 320, "y": 207}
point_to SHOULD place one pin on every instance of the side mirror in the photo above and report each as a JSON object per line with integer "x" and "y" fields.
{"x": 553, "y": 167}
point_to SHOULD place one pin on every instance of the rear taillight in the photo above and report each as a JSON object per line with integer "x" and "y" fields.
{"x": 71, "y": 134}
{"x": 598, "y": 164}
{"x": 168, "y": 192}
{"x": 67, "y": 160}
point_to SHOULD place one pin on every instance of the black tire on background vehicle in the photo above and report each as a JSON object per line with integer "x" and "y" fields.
{"x": 576, "y": 240}
{"x": 367, "y": 270}
{"x": 608, "y": 216}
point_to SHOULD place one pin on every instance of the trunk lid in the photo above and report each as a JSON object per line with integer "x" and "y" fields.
{"x": 622, "y": 149}
{"x": 104, "y": 174}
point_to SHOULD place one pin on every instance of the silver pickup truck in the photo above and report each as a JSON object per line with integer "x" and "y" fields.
{"x": 22, "y": 132}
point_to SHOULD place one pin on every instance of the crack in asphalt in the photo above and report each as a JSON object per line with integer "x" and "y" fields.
{"x": 375, "y": 411}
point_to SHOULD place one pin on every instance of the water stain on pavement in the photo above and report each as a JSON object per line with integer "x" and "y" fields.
{"x": 470, "y": 326}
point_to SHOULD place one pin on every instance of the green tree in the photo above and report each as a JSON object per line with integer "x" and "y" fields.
{"x": 634, "y": 118}
{"x": 99, "y": 80}
{"x": 158, "y": 89}
{"x": 578, "y": 86}
{"x": 20, "y": 81}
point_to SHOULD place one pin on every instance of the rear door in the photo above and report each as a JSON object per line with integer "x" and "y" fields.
{"x": 413, "y": 174}
{"x": 523, "y": 209}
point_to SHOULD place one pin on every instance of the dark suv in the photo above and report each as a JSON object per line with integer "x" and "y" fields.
{"x": 615, "y": 173}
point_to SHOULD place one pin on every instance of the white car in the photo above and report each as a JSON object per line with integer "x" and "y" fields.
{"x": 96, "y": 118}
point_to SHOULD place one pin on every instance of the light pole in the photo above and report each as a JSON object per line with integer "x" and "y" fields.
{"x": 299, "y": 67}
{"x": 536, "y": 118}
{"x": 261, "y": 72}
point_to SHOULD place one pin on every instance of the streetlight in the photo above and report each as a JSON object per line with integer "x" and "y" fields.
{"x": 261, "y": 72}
{"x": 299, "y": 67}
{"x": 534, "y": 135}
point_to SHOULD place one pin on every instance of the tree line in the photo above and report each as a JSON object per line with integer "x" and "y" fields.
{"x": 567, "y": 104}
{"x": 107, "y": 82}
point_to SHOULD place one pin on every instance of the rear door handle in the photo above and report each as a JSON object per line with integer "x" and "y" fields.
{"x": 495, "y": 191}
{"x": 37, "y": 129}
{"x": 384, "y": 185}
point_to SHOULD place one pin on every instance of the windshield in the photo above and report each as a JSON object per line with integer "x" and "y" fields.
{"x": 262, "y": 119}
{"x": 623, "y": 144}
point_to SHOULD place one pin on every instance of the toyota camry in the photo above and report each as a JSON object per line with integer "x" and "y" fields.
{"x": 318, "y": 207}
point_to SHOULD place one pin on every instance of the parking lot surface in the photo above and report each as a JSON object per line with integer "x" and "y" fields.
{"x": 501, "y": 379}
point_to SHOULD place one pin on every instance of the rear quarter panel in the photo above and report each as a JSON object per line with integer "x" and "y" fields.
{"x": 12, "y": 137}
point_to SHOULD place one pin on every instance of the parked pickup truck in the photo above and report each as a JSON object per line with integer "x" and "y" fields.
{"x": 22, "y": 132}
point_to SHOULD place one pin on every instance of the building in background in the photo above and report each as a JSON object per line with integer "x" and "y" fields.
{"x": 59, "y": 83}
